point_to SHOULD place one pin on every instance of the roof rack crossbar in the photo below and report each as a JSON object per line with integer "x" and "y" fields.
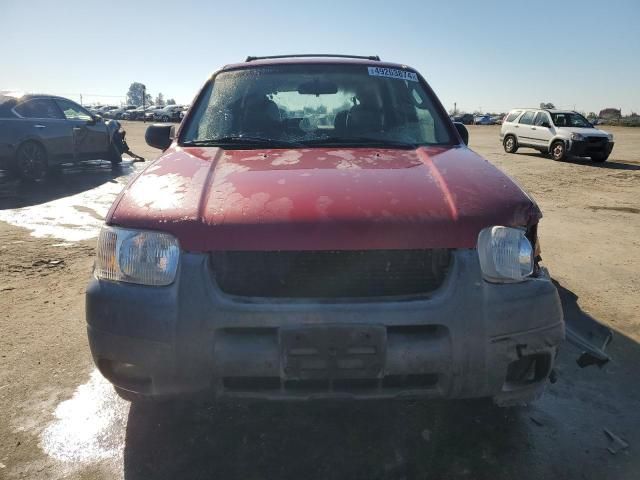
{"x": 328, "y": 55}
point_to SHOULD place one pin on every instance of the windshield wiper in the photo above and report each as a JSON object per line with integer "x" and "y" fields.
{"x": 242, "y": 140}
{"x": 364, "y": 141}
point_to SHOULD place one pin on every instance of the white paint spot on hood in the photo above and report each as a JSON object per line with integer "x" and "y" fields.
{"x": 162, "y": 192}
{"x": 290, "y": 157}
{"x": 343, "y": 154}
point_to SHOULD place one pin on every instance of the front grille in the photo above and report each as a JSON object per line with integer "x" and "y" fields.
{"x": 597, "y": 143}
{"x": 330, "y": 274}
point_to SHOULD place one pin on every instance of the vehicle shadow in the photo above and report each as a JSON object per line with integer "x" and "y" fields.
{"x": 63, "y": 182}
{"x": 370, "y": 439}
{"x": 612, "y": 164}
{"x": 560, "y": 435}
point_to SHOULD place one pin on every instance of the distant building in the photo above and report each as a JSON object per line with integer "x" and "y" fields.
{"x": 610, "y": 114}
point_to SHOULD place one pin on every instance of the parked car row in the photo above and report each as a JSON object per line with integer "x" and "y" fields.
{"x": 168, "y": 113}
{"x": 470, "y": 119}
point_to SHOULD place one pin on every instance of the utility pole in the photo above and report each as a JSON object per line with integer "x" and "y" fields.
{"x": 144, "y": 108}
{"x": 455, "y": 108}
{"x": 80, "y": 99}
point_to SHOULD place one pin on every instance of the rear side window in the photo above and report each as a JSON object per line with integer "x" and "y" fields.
{"x": 527, "y": 118}
{"x": 513, "y": 115}
{"x": 39, "y": 108}
{"x": 6, "y": 104}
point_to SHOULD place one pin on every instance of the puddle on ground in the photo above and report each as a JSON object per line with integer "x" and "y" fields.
{"x": 88, "y": 427}
{"x": 55, "y": 210}
{"x": 67, "y": 218}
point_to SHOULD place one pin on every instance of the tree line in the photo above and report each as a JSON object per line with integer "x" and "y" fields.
{"x": 137, "y": 93}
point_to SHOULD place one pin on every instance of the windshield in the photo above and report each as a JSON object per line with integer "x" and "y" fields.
{"x": 570, "y": 120}
{"x": 318, "y": 104}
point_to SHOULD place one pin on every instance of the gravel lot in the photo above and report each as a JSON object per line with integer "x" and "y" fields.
{"x": 60, "y": 419}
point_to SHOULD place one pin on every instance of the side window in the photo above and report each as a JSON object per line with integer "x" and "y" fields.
{"x": 513, "y": 115}
{"x": 73, "y": 111}
{"x": 39, "y": 108}
{"x": 527, "y": 118}
{"x": 541, "y": 117}
{"x": 560, "y": 120}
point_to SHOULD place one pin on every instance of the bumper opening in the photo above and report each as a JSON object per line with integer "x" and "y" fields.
{"x": 527, "y": 370}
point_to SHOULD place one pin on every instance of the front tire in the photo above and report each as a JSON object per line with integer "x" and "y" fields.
{"x": 510, "y": 144}
{"x": 165, "y": 119}
{"x": 31, "y": 162}
{"x": 600, "y": 158}
{"x": 558, "y": 150}
{"x": 115, "y": 157}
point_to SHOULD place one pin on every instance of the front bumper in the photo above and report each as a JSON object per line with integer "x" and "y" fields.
{"x": 470, "y": 338}
{"x": 584, "y": 148}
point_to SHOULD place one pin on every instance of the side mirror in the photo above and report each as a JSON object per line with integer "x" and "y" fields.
{"x": 462, "y": 130}
{"x": 545, "y": 125}
{"x": 159, "y": 135}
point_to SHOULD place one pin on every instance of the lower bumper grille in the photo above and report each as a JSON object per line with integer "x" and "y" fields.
{"x": 596, "y": 143}
{"x": 388, "y": 383}
{"x": 330, "y": 274}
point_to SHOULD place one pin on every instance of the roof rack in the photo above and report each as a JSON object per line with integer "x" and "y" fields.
{"x": 375, "y": 58}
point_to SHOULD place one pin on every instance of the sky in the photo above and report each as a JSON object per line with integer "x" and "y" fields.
{"x": 486, "y": 56}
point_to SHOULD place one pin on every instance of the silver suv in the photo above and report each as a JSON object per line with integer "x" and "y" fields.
{"x": 559, "y": 133}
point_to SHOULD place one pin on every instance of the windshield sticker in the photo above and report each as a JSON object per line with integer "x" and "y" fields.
{"x": 393, "y": 73}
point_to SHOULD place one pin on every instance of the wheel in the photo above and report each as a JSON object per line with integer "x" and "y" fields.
{"x": 510, "y": 144}
{"x": 558, "y": 150}
{"x": 599, "y": 158}
{"x": 165, "y": 118}
{"x": 31, "y": 161}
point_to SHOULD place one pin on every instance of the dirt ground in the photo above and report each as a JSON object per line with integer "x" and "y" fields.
{"x": 60, "y": 419}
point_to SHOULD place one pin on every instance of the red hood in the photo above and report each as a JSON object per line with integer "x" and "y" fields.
{"x": 322, "y": 199}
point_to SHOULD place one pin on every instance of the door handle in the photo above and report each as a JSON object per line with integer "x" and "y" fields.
{"x": 77, "y": 129}
{"x": 39, "y": 126}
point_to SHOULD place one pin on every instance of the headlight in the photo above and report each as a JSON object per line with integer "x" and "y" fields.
{"x": 505, "y": 254}
{"x": 610, "y": 136}
{"x": 577, "y": 137}
{"x": 137, "y": 256}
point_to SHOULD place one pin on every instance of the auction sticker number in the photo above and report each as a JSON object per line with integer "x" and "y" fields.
{"x": 393, "y": 73}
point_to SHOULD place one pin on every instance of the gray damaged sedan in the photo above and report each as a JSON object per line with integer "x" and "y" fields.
{"x": 38, "y": 132}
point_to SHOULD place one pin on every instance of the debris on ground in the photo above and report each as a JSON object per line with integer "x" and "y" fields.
{"x": 47, "y": 263}
{"x": 618, "y": 443}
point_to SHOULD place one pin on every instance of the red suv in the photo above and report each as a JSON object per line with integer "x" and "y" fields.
{"x": 317, "y": 227}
